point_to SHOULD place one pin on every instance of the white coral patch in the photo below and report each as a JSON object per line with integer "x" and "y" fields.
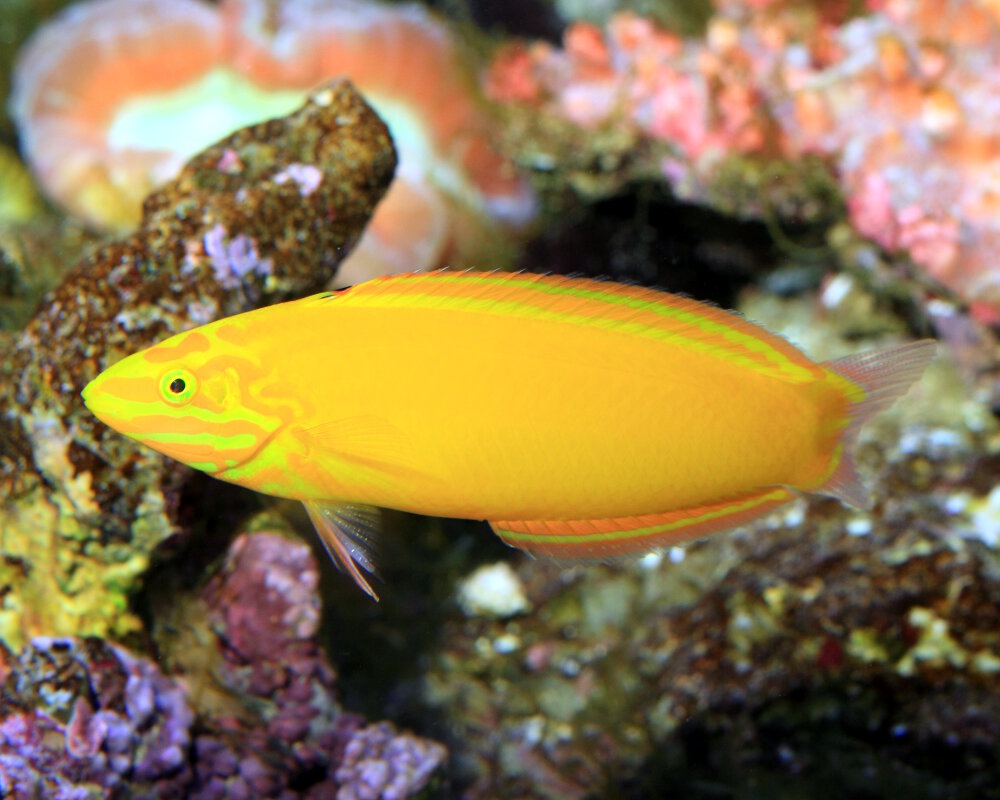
{"x": 493, "y": 591}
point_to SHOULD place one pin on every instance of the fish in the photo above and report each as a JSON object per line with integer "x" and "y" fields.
{"x": 583, "y": 419}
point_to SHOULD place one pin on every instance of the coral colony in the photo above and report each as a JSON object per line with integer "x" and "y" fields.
{"x": 901, "y": 101}
{"x": 81, "y": 718}
{"x": 113, "y": 96}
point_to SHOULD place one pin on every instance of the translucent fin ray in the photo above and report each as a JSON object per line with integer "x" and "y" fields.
{"x": 350, "y": 535}
{"x": 885, "y": 376}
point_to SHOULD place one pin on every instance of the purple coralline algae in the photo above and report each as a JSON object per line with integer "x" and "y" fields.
{"x": 234, "y": 259}
{"x": 81, "y": 718}
{"x": 81, "y": 509}
{"x": 275, "y": 720}
{"x": 305, "y": 175}
{"x": 380, "y": 763}
{"x": 264, "y": 606}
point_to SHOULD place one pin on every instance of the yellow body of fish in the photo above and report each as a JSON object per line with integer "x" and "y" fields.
{"x": 581, "y": 418}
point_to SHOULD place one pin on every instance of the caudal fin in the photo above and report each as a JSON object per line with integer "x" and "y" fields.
{"x": 885, "y": 375}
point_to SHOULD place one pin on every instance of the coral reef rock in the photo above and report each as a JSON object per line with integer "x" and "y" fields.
{"x": 246, "y": 645}
{"x": 82, "y": 508}
{"x": 252, "y": 712}
{"x": 81, "y": 718}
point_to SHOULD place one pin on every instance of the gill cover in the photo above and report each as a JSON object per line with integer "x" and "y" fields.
{"x": 187, "y": 398}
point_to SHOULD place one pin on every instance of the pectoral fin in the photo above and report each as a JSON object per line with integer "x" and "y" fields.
{"x": 375, "y": 451}
{"x": 350, "y": 535}
{"x": 366, "y": 438}
{"x": 604, "y": 538}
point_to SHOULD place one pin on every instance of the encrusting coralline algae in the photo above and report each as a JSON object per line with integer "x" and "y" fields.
{"x": 251, "y": 710}
{"x": 82, "y": 510}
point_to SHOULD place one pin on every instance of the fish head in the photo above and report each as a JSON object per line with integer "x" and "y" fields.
{"x": 188, "y": 397}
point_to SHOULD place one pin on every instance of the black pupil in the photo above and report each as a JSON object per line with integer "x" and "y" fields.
{"x": 177, "y": 385}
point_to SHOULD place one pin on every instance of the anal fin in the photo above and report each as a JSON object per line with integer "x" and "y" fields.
{"x": 349, "y": 532}
{"x": 604, "y": 538}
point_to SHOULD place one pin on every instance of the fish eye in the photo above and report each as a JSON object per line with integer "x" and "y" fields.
{"x": 178, "y": 386}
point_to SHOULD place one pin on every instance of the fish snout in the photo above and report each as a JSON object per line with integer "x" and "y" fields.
{"x": 91, "y": 397}
{"x": 104, "y": 403}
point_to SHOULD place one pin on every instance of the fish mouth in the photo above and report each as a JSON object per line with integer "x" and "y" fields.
{"x": 101, "y": 403}
{"x": 90, "y": 395}
{"x": 107, "y": 395}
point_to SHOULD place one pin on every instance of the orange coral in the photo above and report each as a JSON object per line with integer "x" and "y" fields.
{"x": 88, "y": 76}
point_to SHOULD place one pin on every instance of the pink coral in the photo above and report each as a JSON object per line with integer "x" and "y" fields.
{"x": 870, "y": 209}
{"x": 904, "y": 103}
{"x": 910, "y": 122}
{"x": 640, "y": 74}
{"x": 932, "y": 243}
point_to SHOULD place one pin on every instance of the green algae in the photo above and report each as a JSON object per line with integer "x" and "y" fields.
{"x": 19, "y": 199}
{"x": 935, "y": 647}
{"x": 866, "y": 646}
{"x": 608, "y": 607}
{"x": 58, "y": 580}
{"x": 803, "y": 190}
{"x": 684, "y": 17}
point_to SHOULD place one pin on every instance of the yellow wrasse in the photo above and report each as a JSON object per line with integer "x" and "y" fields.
{"x": 581, "y": 418}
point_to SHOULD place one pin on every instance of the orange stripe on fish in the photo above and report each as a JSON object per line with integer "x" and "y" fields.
{"x": 182, "y": 345}
{"x": 604, "y": 538}
{"x": 626, "y": 309}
